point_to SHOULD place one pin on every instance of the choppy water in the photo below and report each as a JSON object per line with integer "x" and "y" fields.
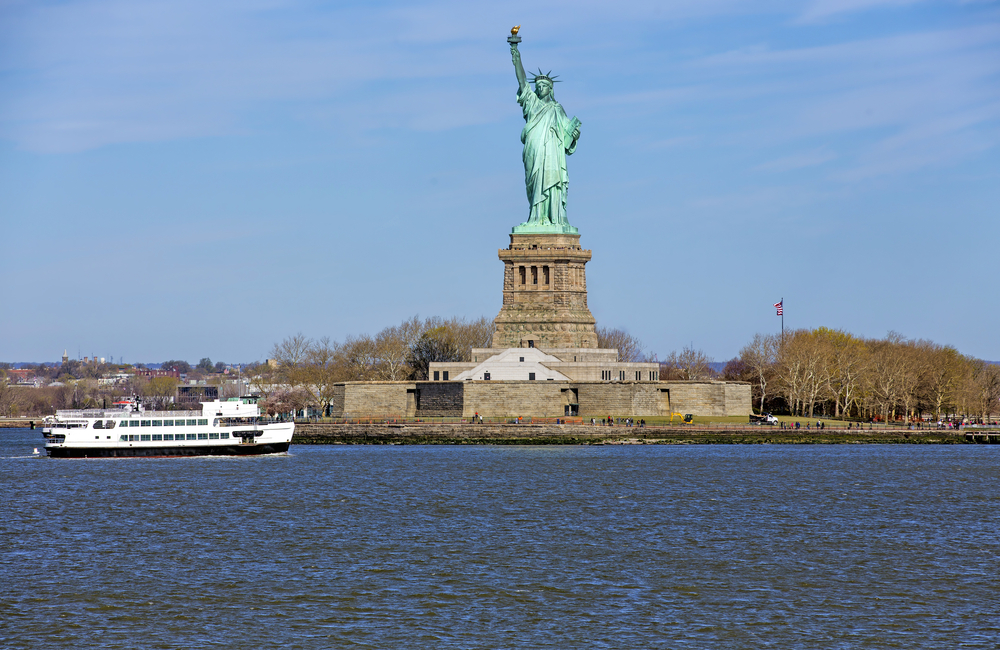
{"x": 501, "y": 547}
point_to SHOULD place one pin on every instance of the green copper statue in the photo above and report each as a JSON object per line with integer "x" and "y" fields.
{"x": 548, "y": 137}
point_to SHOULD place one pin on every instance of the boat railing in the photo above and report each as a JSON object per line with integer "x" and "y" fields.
{"x": 110, "y": 413}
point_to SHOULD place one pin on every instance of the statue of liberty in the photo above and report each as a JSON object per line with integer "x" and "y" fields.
{"x": 548, "y": 137}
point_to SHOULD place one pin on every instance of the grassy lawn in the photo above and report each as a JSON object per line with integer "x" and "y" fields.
{"x": 698, "y": 419}
{"x": 829, "y": 423}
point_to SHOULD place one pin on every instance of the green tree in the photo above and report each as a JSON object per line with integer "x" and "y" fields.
{"x": 159, "y": 392}
{"x": 205, "y": 365}
{"x": 182, "y": 367}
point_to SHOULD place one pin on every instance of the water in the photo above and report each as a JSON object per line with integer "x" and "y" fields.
{"x": 499, "y": 547}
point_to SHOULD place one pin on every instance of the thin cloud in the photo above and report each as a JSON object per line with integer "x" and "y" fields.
{"x": 797, "y": 161}
{"x": 822, "y": 10}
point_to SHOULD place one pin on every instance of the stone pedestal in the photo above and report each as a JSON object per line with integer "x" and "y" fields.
{"x": 544, "y": 294}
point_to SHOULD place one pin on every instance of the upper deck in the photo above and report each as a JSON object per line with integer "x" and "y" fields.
{"x": 217, "y": 408}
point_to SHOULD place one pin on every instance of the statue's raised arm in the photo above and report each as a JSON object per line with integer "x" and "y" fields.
{"x": 522, "y": 79}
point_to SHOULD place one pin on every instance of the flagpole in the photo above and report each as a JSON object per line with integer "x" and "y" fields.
{"x": 782, "y": 319}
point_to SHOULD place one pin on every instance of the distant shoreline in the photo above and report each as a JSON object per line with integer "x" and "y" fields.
{"x": 20, "y": 423}
{"x": 577, "y": 434}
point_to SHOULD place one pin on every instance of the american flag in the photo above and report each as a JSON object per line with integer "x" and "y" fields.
{"x": 778, "y": 306}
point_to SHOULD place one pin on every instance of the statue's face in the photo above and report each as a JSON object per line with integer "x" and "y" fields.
{"x": 543, "y": 88}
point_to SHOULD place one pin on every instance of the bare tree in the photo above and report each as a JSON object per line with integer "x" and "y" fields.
{"x": 942, "y": 380}
{"x": 630, "y": 349}
{"x": 360, "y": 357}
{"x": 264, "y": 379}
{"x": 986, "y": 386}
{"x": 285, "y": 401}
{"x": 848, "y": 357}
{"x": 470, "y": 334}
{"x": 291, "y": 357}
{"x": 322, "y": 371}
{"x": 689, "y": 364}
{"x": 392, "y": 346}
{"x": 292, "y": 351}
{"x": 11, "y": 398}
{"x": 801, "y": 371}
{"x": 886, "y": 378}
{"x": 759, "y": 356}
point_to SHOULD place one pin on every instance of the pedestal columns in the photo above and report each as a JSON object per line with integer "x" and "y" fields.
{"x": 544, "y": 294}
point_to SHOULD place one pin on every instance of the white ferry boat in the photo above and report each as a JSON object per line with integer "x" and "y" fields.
{"x": 231, "y": 428}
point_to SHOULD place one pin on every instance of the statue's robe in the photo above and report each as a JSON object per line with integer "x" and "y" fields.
{"x": 547, "y": 138}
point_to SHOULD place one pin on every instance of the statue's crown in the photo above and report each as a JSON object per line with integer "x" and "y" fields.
{"x": 548, "y": 76}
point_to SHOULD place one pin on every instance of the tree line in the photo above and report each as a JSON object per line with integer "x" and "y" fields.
{"x": 834, "y": 373}
{"x": 805, "y": 373}
{"x": 75, "y": 384}
{"x": 302, "y": 372}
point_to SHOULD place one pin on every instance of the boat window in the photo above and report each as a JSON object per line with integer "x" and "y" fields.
{"x": 157, "y": 423}
{"x": 109, "y": 424}
{"x": 192, "y": 423}
{"x": 213, "y": 436}
{"x": 144, "y": 437}
{"x": 202, "y": 436}
{"x": 168, "y": 436}
{"x": 224, "y": 435}
{"x": 203, "y": 423}
{"x": 122, "y": 438}
{"x": 192, "y": 436}
{"x": 168, "y": 423}
{"x": 144, "y": 423}
{"x": 98, "y": 424}
{"x": 133, "y": 423}
{"x": 97, "y": 437}
{"x": 133, "y": 438}
{"x": 157, "y": 436}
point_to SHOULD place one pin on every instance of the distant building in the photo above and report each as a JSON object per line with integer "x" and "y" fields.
{"x": 147, "y": 372}
{"x": 21, "y": 374}
{"x": 193, "y": 394}
{"x": 23, "y": 377}
{"x": 113, "y": 379}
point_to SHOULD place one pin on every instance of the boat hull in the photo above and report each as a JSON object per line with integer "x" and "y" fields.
{"x": 169, "y": 451}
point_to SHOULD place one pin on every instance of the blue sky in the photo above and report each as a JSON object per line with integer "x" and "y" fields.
{"x": 187, "y": 179}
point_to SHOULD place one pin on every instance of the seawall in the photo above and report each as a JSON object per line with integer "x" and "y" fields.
{"x": 20, "y": 423}
{"x": 569, "y": 434}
